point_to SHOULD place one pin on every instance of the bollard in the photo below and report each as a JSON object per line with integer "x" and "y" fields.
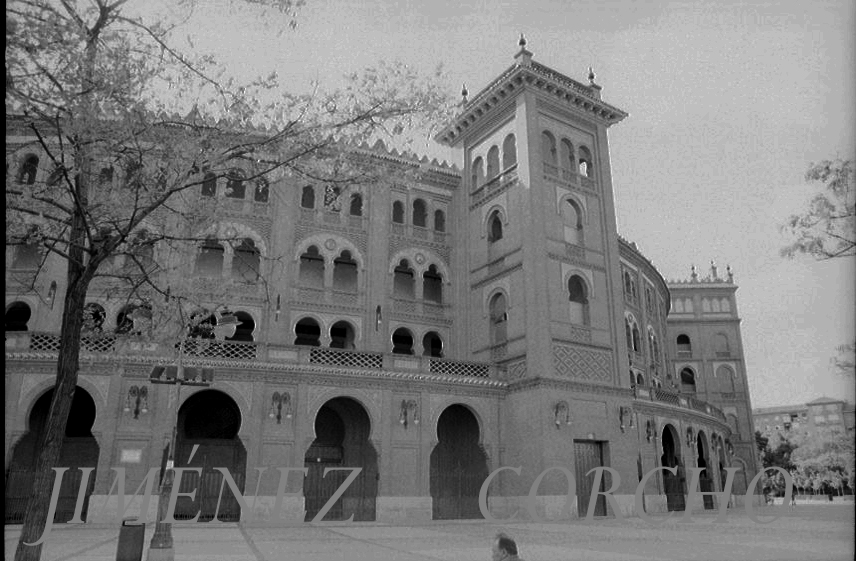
{"x": 131, "y": 538}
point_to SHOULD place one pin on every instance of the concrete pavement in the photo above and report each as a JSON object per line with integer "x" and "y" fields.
{"x": 807, "y": 533}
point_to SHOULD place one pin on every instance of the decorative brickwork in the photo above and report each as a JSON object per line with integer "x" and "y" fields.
{"x": 573, "y": 362}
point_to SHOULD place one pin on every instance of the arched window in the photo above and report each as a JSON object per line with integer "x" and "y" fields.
{"x": 345, "y": 272}
{"x": 498, "y": 309}
{"x": 578, "y": 299}
{"x": 93, "y": 318}
{"x": 308, "y": 333}
{"x": 28, "y": 170}
{"x": 688, "y": 383}
{"x": 356, "y": 206}
{"x": 307, "y": 197}
{"x": 432, "y": 345}
{"x": 235, "y": 188}
{"x": 494, "y": 227}
{"x": 439, "y": 221}
{"x": 312, "y": 268}
{"x": 654, "y": 346}
{"x": 566, "y": 155}
{"x": 420, "y": 215}
{"x": 333, "y": 198}
{"x": 637, "y": 339}
{"x": 246, "y": 261}
{"x": 402, "y": 342}
{"x": 432, "y": 285}
{"x": 628, "y": 333}
{"x": 573, "y": 222}
{"x": 209, "y": 262}
{"x": 585, "y": 162}
{"x": 640, "y": 379}
{"x": 492, "y": 162}
{"x": 720, "y": 343}
{"x": 209, "y": 185}
{"x": 478, "y": 173}
{"x": 244, "y": 330}
{"x": 342, "y": 335}
{"x": 262, "y": 193}
{"x": 684, "y": 345}
{"x": 509, "y": 151}
{"x": 725, "y": 379}
{"x": 403, "y": 281}
{"x": 398, "y": 212}
{"x": 17, "y": 316}
{"x": 548, "y": 148}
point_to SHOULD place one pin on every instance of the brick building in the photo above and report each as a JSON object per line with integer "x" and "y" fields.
{"x": 468, "y": 317}
{"x": 786, "y": 422}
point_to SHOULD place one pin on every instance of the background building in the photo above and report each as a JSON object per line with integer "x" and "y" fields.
{"x": 430, "y": 330}
{"x": 789, "y": 421}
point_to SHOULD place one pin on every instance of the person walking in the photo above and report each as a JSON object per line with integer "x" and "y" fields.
{"x": 504, "y": 549}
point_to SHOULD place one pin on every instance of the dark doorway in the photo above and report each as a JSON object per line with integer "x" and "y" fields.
{"x": 705, "y": 482}
{"x": 212, "y": 420}
{"x": 79, "y": 450}
{"x": 673, "y": 484}
{"x": 342, "y": 429}
{"x": 458, "y": 466}
{"x": 588, "y": 455}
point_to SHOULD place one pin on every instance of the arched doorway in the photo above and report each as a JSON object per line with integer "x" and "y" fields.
{"x": 673, "y": 484}
{"x": 705, "y": 482}
{"x": 342, "y": 429}
{"x": 458, "y": 466}
{"x": 79, "y": 450}
{"x": 211, "y": 419}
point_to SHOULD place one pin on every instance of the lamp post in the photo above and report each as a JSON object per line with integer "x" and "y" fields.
{"x": 161, "y": 547}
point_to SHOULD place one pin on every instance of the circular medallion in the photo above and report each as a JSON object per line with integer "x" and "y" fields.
{"x": 420, "y": 258}
{"x": 330, "y": 244}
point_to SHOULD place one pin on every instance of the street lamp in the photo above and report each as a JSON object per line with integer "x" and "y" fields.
{"x": 161, "y": 547}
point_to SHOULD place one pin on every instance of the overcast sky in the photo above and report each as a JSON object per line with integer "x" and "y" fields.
{"x": 729, "y": 103}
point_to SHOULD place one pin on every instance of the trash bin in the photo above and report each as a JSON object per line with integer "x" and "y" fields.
{"x": 132, "y": 534}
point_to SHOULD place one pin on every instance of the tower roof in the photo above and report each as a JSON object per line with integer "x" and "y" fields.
{"x": 526, "y": 73}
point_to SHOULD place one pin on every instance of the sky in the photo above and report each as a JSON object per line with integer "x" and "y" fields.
{"x": 729, "y": 104}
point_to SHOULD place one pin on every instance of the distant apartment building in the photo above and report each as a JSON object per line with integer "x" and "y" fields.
{"x": 824, "y": 414}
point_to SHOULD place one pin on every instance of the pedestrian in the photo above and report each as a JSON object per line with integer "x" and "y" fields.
{"x": 793, "y": 501}
{"x": 504, "y": 549}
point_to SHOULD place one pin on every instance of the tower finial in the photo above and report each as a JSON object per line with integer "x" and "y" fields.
{"x": 522, "y": 41}
{"x": 693, "y": 275}
{"x": 730, "y": 273}
{"x": 713, "y": 274}
{"x": 464, "y": 93}
{"x": 591, "y": 76}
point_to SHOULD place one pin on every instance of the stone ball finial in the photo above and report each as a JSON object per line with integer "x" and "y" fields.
{"x": 464, "y": 92}
{"x": 591, "y": 75}
{"x": 693, "y": 274}
{"x": 522, "y": 41}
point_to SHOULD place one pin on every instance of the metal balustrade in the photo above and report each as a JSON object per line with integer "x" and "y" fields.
{"x": 348, "y": 359}
{"x": 458, "y": 368}
{"x": 677, "y": 400}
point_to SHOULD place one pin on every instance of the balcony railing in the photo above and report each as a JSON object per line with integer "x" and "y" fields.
{"x": 660, "y": 395}
{"x": 138, "y": 348}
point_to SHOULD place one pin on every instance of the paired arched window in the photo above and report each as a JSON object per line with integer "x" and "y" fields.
{"x": 498, "y": 311}
{"x": 548, "y": 148}
{"x": 244, "y": 330}
{"x": 439, "y": 221}
{"x": 307, "y": 197}
{"x": 432, "y": 285}
{"x": 684, "y": 345}
{"x": 432, "y": 345}
{"x": 209, "y": 261}
{"x": 345, "y": 272}
{"x": 585, "y": 162}
{"x": 631, "y": 329}
{"x": 342, "y": 335}
{"x": 492, "y": 162}
{"x": 725, "y": 379}
{"x": 572, "y": 219}
{"x": 478, "y": 173}
{"x": 235, "y": 187}
{"x": 509, "y": 151}
{"x": 356, "y": 206}
{"x": 312, "y": 268}
{"x": 420, "y": 214}
{"x": 17, "y": 317}
{"x": 246, "y": 261}
{"x": 402, "y": 342}
{"x": 209, "y": 185}
{"x": 494, "y": 227}
{"x": 28, "y": 170}
{"x": 307, "y": 333}
{"x": 398, "y": 212}
{"x": 403, "y": 285}
{"x": 578, "y": 300}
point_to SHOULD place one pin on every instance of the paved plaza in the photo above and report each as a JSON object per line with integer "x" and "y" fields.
{"x": 807, "y": 533}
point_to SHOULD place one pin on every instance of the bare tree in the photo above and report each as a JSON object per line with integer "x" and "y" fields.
{"x": 127, "y": 128}
{"x": 828, "y": 228}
